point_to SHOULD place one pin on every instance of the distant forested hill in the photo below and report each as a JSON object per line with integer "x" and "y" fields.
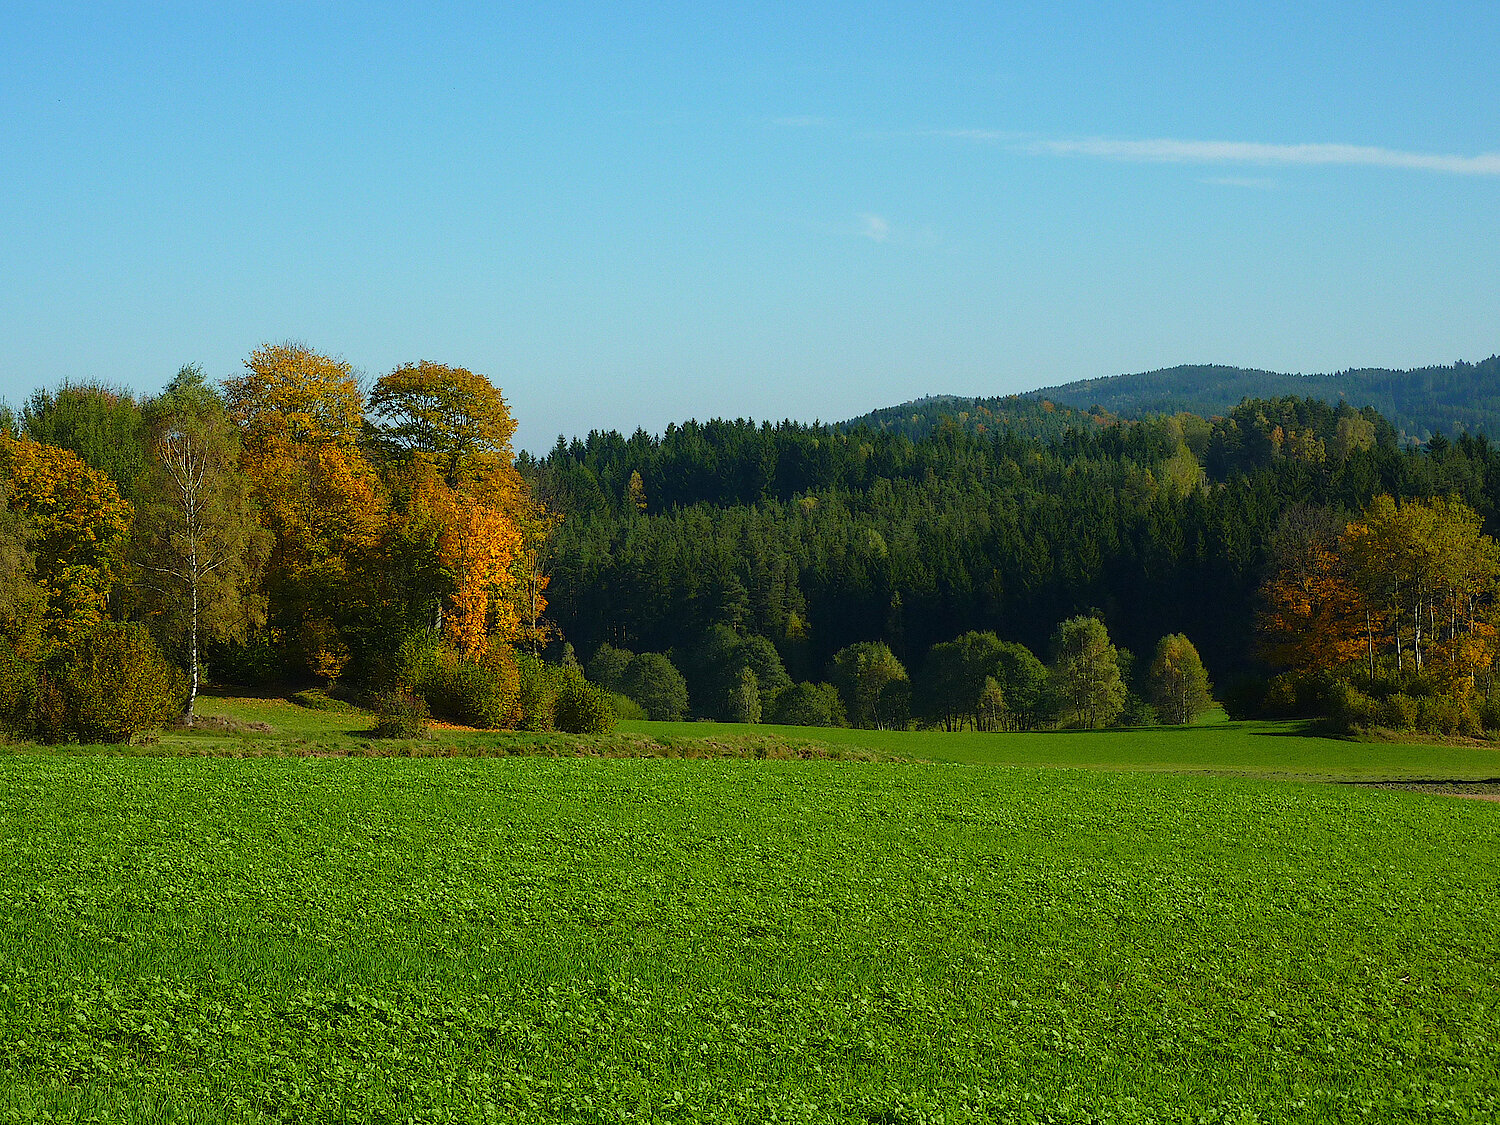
{"x": 1458, "y": 399}
{"x": 1025, "y": 417}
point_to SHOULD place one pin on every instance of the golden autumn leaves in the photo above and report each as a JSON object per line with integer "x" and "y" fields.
{"x": 437, "y": 468}
{"x": 1410, "y": 586}
{"x": 78, "y": 526}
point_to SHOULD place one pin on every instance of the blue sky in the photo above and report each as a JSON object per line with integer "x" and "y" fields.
{"x": 632, "y": 214}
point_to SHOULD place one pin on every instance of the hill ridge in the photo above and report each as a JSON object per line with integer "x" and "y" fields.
{"x": 1450, "y": 399}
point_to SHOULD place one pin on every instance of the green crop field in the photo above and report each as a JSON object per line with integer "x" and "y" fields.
{"x": 529, "y": 938}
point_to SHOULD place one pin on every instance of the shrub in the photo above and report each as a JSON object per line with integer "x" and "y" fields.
{"x": 400, "y": 714}
{"x": 417, "y": 659}
{"x": 1489, "y": 715}
{"x": 1244, "y": 697}
{"x": 475, "y": 693}
{"x": 537, "y": 694}
{"x": 1445, "y": 715}
{"x": 1399, "y": 712}
{"x": 107, "y": 686}
{"x": 625, "y": 707}
{"x": 582, "y": 708}
{"x": 1350, "y": 709}
{"x": 18, "y": 689}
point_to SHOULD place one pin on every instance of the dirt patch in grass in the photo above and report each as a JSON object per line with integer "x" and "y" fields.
{"x": 1474, "y": 790}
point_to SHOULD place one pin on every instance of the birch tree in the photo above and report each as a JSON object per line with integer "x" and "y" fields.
{"x": 198, "y": 546}
{"x": 1086, "y": 673}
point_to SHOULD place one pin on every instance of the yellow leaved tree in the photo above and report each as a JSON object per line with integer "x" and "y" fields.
{"x": 449, "y": 430}
{"x": 301, "y": 417}
{"x": 76, "y": 527}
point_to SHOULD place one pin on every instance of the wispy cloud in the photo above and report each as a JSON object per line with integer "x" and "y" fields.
{"x": 1168, "y": 150}
{"x": 874, "y": 227}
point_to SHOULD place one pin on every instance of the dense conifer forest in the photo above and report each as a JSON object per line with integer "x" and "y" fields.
{"x": 818, "y": 537}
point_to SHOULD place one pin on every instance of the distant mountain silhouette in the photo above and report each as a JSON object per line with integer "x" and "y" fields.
{"x": 1452, "y": 400}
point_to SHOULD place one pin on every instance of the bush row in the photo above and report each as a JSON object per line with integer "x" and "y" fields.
{"x": 502, "y": 690}
{"x": 1409, "y": 703}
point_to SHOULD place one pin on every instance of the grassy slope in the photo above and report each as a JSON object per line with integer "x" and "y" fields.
{"x": 531, "y": 939}
{"x": 1246, "y": 748}
{"x": 1264, "y": 749}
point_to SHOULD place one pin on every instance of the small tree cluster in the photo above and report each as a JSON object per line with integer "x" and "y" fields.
{"x": 1389, "y": 619}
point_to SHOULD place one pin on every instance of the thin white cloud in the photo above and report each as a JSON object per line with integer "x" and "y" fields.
{"x": 1168, "y": 150}
{"x": 875, "y": 228}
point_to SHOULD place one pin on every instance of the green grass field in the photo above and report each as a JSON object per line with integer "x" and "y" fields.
{"x": 1258, "y": 749}
{"x": 529, "y": 938}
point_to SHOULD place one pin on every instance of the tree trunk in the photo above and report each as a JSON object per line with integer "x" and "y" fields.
{"x": 193, "y": 577}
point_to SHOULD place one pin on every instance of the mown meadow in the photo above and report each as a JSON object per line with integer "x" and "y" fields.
{"x": 287, "y": 932}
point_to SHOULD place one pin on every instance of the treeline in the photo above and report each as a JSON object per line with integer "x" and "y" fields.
{"x": 976, "y": 681}
{"x": 1461, "y": 398}
{"x": 818, "y": 538}
{"x": 288, "y": 526}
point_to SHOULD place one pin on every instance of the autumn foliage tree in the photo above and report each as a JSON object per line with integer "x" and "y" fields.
{"x": 1427, "y": 575}
{"x": 1402, "y": 598}
{"x": 1313, "y": 616}
{"x": 77, "y": 529}
{"x": 450, "y": 417}
{"x": 447, "y": 431}
{"x": 301, "y": 419}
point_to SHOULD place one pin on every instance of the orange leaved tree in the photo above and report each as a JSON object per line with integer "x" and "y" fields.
{"x": 300, "y": 415}
{"x": 447, "y": 431}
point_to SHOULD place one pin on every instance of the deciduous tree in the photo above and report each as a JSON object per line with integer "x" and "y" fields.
{"x": 1178, "y": 681}
{"x": 77, "y": 526}
{"x": 654, "y": 682}
{"x": 449, "y": 415}
{"x": 861, "y": 672}
{"x": 1086, "y": 673}
{"x": 198, "y": 546}
{"x": 102, "y": 424}
{"x": 319, "y": 497}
